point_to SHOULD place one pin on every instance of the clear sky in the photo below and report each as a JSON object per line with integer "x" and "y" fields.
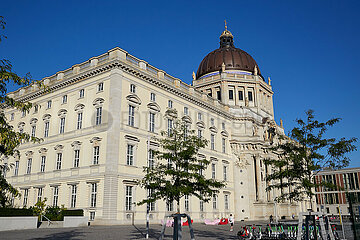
{"x": 310, "y": 49}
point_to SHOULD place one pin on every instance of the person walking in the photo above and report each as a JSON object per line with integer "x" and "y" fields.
{"x": 231, "y": 221}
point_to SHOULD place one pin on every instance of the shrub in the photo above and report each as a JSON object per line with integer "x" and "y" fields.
{"x": 54, "y": 213}
{"x": 75, "y": 212}
{"x": 13, "y": 212}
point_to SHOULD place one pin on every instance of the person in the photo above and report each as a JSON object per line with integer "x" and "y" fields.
{"x": 271, "y": 218}
{"x": 231, "y": 221}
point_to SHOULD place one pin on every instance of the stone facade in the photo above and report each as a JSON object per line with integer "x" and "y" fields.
{"x": 95, "y": 122}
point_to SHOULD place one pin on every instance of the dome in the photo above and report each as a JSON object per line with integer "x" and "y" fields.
{"x": 233, "y": 58}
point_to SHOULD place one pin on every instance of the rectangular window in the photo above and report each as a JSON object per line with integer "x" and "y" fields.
{"x": 40, "y": 193}
{"x": 212, "y": 122}
{"x": 132, "y": 88}
{"x": 55, "y": 196}
{"x": 93, "y": 195}
{"x": 241, "y": 95}
{"x": 225, "y": 168}
{"x": 46, "y": 129}
{"x": 223, "y": 145}
{"x": 214, "y": 201}
{"x": 169, "y": 206}
{"x": 49, "y": 104}
{"x": 151, "y": 205}
{"x": 128, "y": 198}
{"x": 201, "y": 205}
{"x": 12, "y": 116}
{"x": 73, "y": 196}
{"x": 28, "y": 169}
{"x": 100, "y": 87}
{"x": 223, "y": 126}
{"x": 62, "y": 125}
{"x": 213, "y": 170}
{"x": 130, "y": 155}
{"x": 199, "y": 116}
{"x": 36, "y": 108}
{"x": 151, "y": 161}
{"x": 23, "y": 113}
{"x": 131, "y": 115}
{"x": 152, "y": 97}
{"x": 169, "y": 126}
{"x": 79, "y": 120}
{"x": 250, "y": 96}
{"x": 231, "y": 95}
{"x": 218, "y": 95}
{"x": 92, "y": 216}
{"x": 152, "y": 122}
{"x": 16, "y": 170}
{"x": 186, "y": 111}
{"x": 98, "y": 115}
{"x": 96, "y": 155}
{"x": 81, "y": 93}
{"x": 26, "y": 195}
{"x": 212, "y": 141}
{"x": 186, "y": 197}
{"x": 64, "y": 99}
{"x": 76, "y": 158}
{"x": 33, "y": 131}
{"x": 170, "y": 104}
{"x": 226, "y": 201}
{"x": 42, "y": 164}
{"x": 199, "y": 133}
{"x": 58, "y": 161}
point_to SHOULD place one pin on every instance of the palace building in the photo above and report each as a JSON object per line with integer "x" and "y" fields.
{"x": 97, "y": 119}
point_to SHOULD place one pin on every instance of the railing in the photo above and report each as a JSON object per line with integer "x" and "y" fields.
{"x": 48, "y": 220}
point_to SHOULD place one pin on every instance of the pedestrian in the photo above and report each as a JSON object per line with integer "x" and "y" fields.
{"x": 231, "y": 221}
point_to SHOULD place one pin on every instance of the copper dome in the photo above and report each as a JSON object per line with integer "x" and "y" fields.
{"x": 233, "y": 58}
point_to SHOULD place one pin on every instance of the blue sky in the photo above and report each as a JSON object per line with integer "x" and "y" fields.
{"x": 310, "y": 49}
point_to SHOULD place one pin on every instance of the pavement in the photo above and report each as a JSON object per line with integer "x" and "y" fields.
{"x": 201, "y": 231}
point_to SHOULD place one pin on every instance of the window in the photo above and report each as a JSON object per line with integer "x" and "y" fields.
{"x": 152, "y": 97}
{"x": 213, "y": 170}
{"x": 40, "y": 193}
{"x": 79, "y": 120}
{"x": 26, "y": 195}
{"x": 219, "y": 95}
{"x": 225, "y": 168}
{"x": 152, "y": 122}
{"x": 49, "y": 104}
{"x": 98, "y": 115}
{"x": 100, "y": 87}
{"x": 73, "y": 196}
{"x": 36, "y": 108}
{"x": 169, "y": 206}
{"x": 212, "y": 141}
{"x": 96, "y": 155}
{"x": 212, "y": 122}
{"x": 186, "y": 197}
{"x": 132, "y": 88}
{"x": 250, "y": 96}
{"x": 151, "y": 205}
{"x": 170, "y": 104}
{"x": 223, "y": 145}
{"x": 128, "y": 198}
{"x": 62, "y": 125}
{"x": 130, "y": 155}
{"x": 33, "y": 130}
{"x": 16, "y": 170}
{"x": 58, "y": 161}
{"x": 92, "y": 216}
{"x": 42, "y": 164}
{"x": 199, "y": 133}
{"x": 131, "y": 115}
{"x": 28, "y": 169}
{"x": 76, "y": 158}
{"x": 93, "y": 195}
{"x": 23, "y": 113}
{"x": 201, "y": 205}
{"x": 199, "y": 116}
{"x": 231, "y": 94}
{"x": 226, "y": 201}
{"x": 64, "y": 99}
{"x": 151, "y": 161}
{"x": 46, "y": 129}
{"x": 214, "y": 201}
{"x": 55, "y": 196}
{"x": 186, "y": 111}
{"x": 170, "y": 126}
{"x": 12, "y": 116}
{"x": 223, "y": 126}
{"x": 241, "y": 95}
{"x": 81, "y": 93}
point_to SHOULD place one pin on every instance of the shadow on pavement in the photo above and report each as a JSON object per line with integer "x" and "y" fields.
{"x": 62, "y": 235}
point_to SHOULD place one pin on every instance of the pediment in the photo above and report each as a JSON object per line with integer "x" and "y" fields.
{"x": 200, "y": 124}
{"x": 154, "y": 106}
{"x": 171, "y": 113}
{"x": 224, "y": 133}
{"x": 133, "y": 98}
{"x": 213, "y": 129}
{"x": 187, "y": 119}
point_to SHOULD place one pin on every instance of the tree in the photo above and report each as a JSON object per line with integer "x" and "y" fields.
{"x": 177, "y": 171}
{"x": 9, "y": 138}
{"x": 303, "y": 154}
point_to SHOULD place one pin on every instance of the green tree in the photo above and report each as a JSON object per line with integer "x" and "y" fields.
{"x": 39, "y": 208}
{"x": 303, "y": 154}
{"x": 177, "y": 170}
{"x": 9, "y": 138}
